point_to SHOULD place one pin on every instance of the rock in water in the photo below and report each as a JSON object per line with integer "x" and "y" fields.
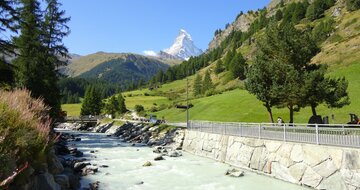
{"x": 234, "y": 173}
{"x": 139, "y": 183}
{"x": 147, "y": 164}
{"x": 158, "y": 158}
{"x": 175, "y": 153}
{"x": 94, "y": 186}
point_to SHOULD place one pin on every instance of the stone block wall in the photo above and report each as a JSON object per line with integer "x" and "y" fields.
{"x": 316, "y": 166}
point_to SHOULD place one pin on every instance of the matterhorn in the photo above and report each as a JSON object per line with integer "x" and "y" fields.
{"x": 183, "y": 47}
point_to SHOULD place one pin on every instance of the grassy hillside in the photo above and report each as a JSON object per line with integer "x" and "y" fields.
{"x": 239, "y": 105}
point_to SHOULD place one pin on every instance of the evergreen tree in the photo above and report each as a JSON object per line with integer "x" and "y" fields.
{"x": 323, "y": 30}
{"x": 278, "y": 15}
{"x": 317, "y": 8}
{"x": 6, "y": 74}
{"x": 197, "y": 87}
{"x": 111, "y": 106}
{"x": 207, "y": 82}
{"x": 30, "y": 70}
{"x": 321, "y": 89}
{"x": 229, "y": 56}
{"x": 39, "y": 46}
{"x": 237, "y": 67}
{"x": 260, "y": 82}
{"x": 353, "y": 5}
{"x": 121, "y": 104}
{"x": 92, "y": 103}
{"x": 288, "y": 53}
{"x": 219, "y": 67}
{"x": 8, "y": 20}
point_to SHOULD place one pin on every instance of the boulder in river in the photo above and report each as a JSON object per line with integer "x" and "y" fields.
{"x": 139, "y": 183}
{"x": 234, "y": 173}
{"x": 94, "y": 186}
{"x": 89, "y": 170}
{"x": 147, "y": 164}
{"x": 158, "y": 158}
{"x": 80, "y": 165}
{"x": 175, "y": 153}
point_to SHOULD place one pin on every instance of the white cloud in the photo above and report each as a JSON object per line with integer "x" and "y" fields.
{"x": 150, "y": 53}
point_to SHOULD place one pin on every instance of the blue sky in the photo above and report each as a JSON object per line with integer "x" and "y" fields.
{"x": 139, "y": 25}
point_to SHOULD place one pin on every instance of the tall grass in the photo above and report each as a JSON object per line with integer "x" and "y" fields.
{"x": 25, "y": 129}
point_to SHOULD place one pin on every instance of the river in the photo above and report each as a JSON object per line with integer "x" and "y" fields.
{"x": 125, "y": 171}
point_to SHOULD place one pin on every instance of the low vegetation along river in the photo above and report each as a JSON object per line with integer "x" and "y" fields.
{"x": 125, "y": 170}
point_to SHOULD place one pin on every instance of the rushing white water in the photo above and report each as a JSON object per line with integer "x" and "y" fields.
{"x": 188, "y": 172}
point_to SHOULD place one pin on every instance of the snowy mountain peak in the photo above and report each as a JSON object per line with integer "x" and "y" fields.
{"x": 183, "y": 46}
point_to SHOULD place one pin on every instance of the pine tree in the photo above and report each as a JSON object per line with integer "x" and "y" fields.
{"x": 30, "y": 70}
{"x": 39, "y": 46}
{"x": 197, "y": 87}
{"x": 92, "y": 103}
{"x": 353, "y": 5}
{"x": 8, "y": 20}
{"x": 54, "y": 29}
{"x": 207, "y": 82}
{"x": 278, "y": 15}
{"x": 111, "y": 106}
{"x": 219, "y": 67}
{"x": 283, "y": 69}
{"x": 237, "y": 67}
{"x": 229, "y": 56}
{"x": 121, "y": 104}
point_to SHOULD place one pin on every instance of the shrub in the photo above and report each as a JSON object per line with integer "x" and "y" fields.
{"x": 323, "y": 30}
{"x": 139, "y": 108}
{"x": 210, "y": 92}
{"x": 146, "y": 94}
{"x": 162, "y": 107}
{"x": 24, "y": 131}
{"x": 153, "y": 109}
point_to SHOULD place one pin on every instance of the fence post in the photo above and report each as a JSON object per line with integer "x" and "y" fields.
{"x": 241, "y": 129}
{"x": 284, "y": 126}
{"x": 317, "y": 133}
{"x": 212, "y": 127}
{"x": 260, "y": 131}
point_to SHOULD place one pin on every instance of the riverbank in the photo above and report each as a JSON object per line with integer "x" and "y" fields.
{"x": 316, "y": 166}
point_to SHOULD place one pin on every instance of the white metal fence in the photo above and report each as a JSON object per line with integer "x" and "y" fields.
{"x": 336, "y": 135}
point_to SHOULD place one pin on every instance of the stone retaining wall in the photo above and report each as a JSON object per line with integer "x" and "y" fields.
{"x": 320, "y": 167}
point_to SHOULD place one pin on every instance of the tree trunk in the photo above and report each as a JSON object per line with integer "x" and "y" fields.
{"x": 291, "y": 108}
{"x": 313, "y": 109}
{"x": 267, "y": 105}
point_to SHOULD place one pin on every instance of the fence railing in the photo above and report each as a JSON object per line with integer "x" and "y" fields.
{"x": 329, "y": 134}
{"x": 85, "y": 118}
